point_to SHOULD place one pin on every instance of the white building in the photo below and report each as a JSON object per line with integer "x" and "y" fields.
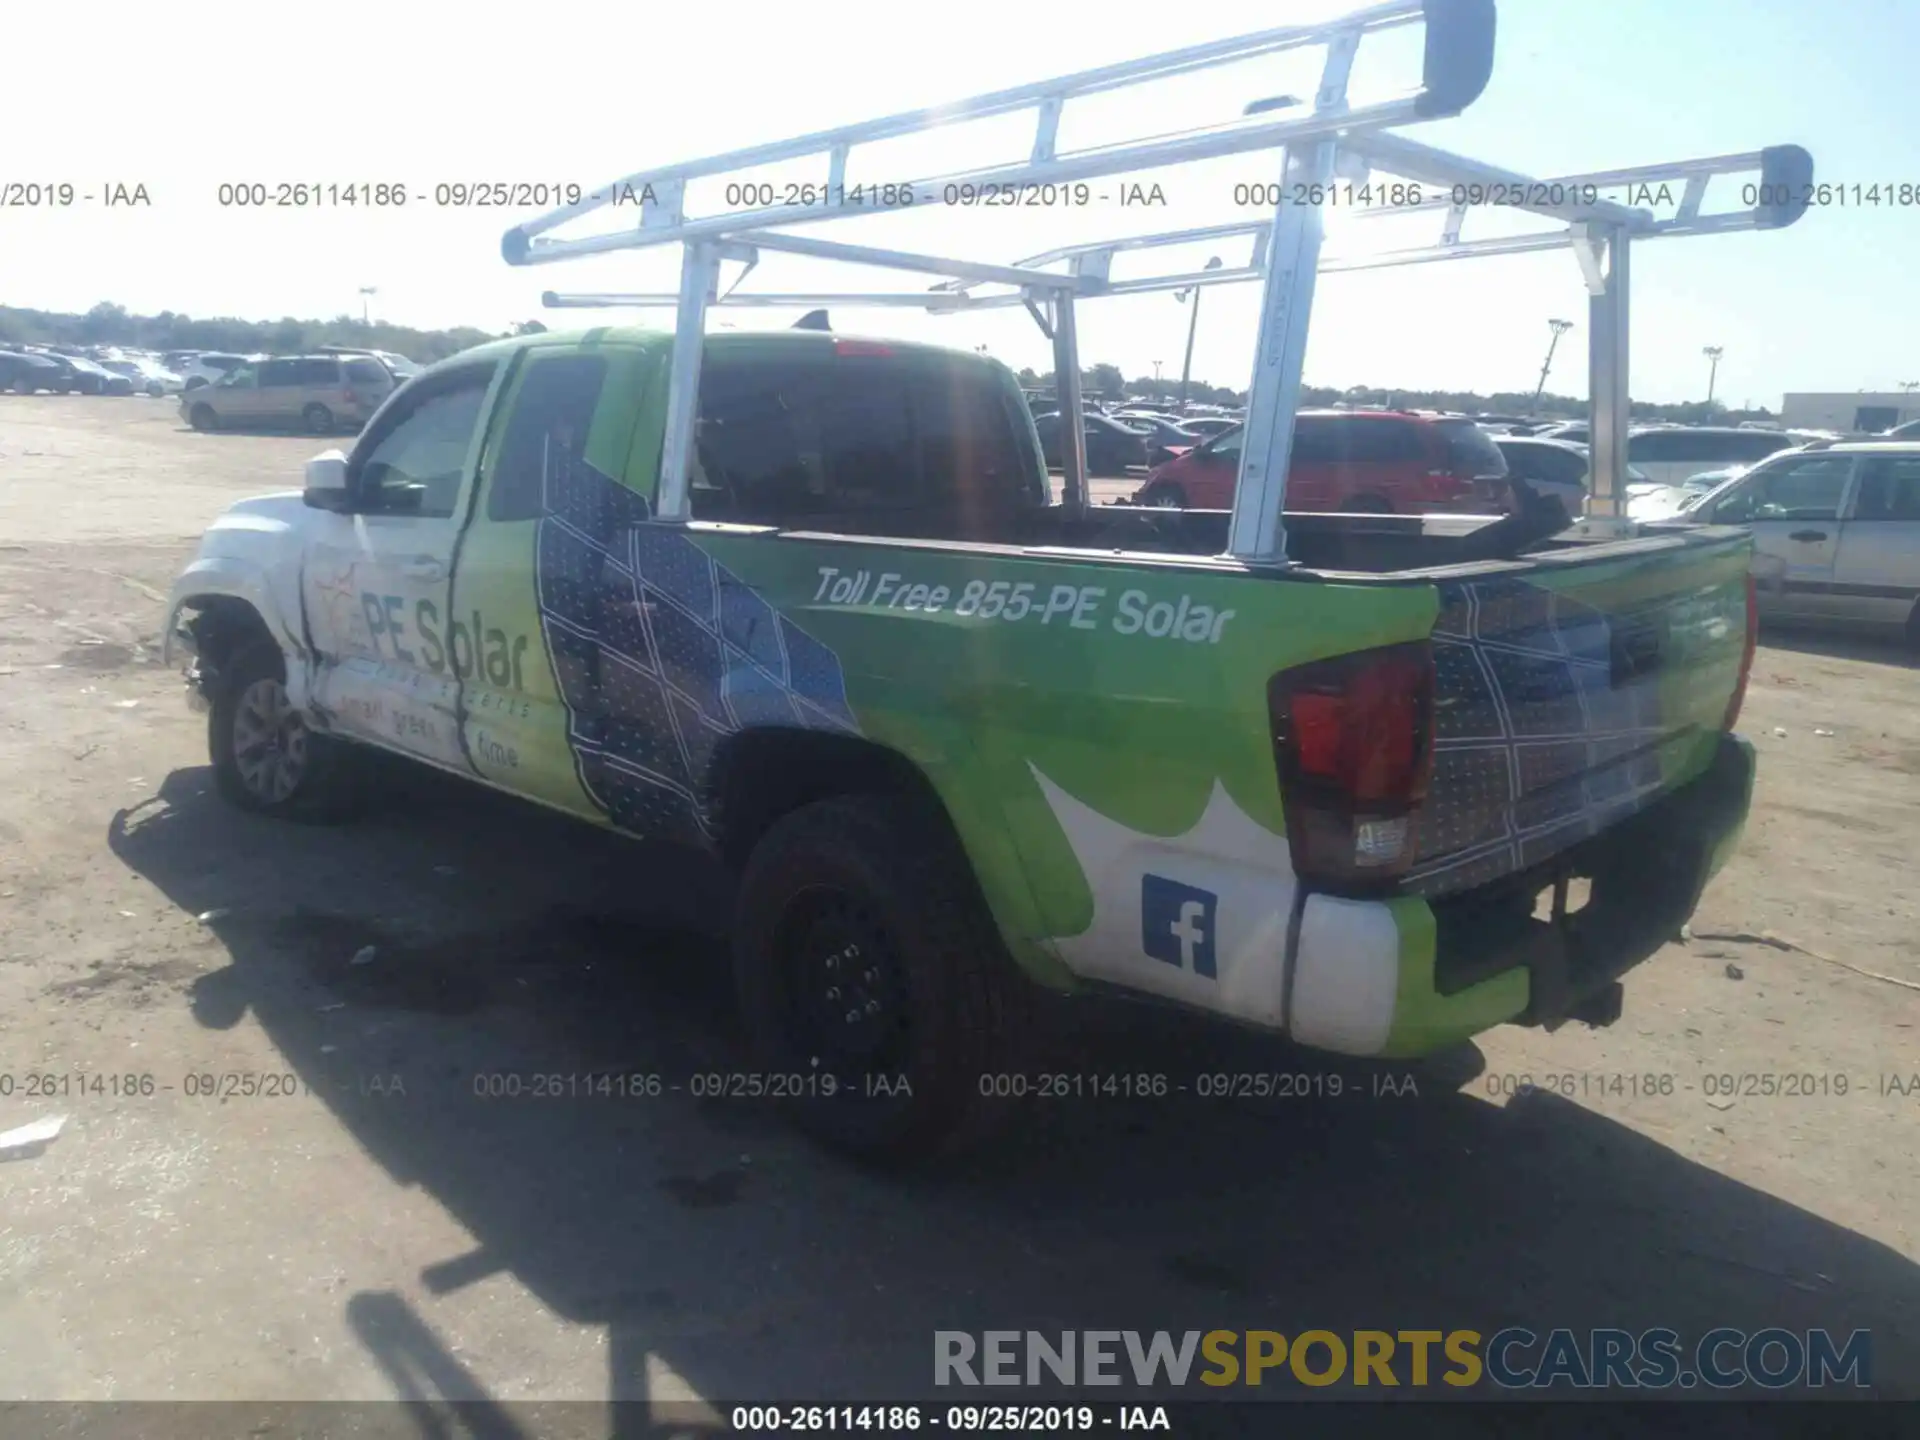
{"x": 1860, "y": 411}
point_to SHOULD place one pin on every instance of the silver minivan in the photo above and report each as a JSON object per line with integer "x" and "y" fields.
{"x": 1836, "y": 533}
{"x": 320, "y": 393}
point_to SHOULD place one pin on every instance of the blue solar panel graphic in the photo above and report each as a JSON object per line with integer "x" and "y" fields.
{"x": 1537, "y": 745}
{"x": 659, "y": 653}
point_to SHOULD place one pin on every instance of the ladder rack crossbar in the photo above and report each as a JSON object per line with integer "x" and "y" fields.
{"x": 1782, "y": 172}
{"x": 1458, "y": 58}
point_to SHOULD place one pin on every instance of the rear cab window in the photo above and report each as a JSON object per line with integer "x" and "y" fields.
{"x": 866, "y": 441}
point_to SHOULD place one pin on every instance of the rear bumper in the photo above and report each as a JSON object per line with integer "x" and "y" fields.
{"x": 1401, "y": 977}
{"x": 1481, "y": 958}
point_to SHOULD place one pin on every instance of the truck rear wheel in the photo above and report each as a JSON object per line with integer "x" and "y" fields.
{"x": 265, "y": 759}
{"x": 873, "y": 983}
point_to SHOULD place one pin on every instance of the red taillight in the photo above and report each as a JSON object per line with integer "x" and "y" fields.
{"x": 861, "y": 347}
{"x": 1746, "y": 657}
{"x": 1353, "y": 742}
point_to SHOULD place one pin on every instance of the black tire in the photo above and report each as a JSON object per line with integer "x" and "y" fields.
{"x": 201, "y": 417}
{"x": 156, "y": 389}
{"x": 1913, "y": 627}
{"x": 23, "y": 385}
{"x": 878, "y": 879}
{"x": 318, "y": 419}
{"x": 310, "y": 772}
{"x": 1165, "y": 497}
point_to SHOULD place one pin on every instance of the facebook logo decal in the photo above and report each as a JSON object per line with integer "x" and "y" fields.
{"x": 1176, "y": 924}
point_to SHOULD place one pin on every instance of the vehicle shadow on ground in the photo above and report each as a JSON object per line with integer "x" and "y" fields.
{"x": 1840, "y": 644}
{"x": 715, "y": 1246}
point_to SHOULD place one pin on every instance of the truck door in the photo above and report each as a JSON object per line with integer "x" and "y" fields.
{"x": 376, "y": 582}
{"x": 544, "y": 580}
{"x": 1877, "y": 573}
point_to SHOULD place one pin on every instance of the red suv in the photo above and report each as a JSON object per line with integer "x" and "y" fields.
{"x": 1366, "y": 461}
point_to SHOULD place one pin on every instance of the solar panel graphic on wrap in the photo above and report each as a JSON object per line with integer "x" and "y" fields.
{"x": 1536, "y": 746}
{"x": 660, "y": 652}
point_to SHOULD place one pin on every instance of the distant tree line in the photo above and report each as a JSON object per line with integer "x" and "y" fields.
{"x": 107, "y": 324}
{"x": 1107, "y": 381}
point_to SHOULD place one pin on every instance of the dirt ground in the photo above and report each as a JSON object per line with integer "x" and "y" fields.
{"x": 380, "y": 1230}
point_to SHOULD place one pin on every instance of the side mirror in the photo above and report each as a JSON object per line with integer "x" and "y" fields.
{"x": 327, "y": 483}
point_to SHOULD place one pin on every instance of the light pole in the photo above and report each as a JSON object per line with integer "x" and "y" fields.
{"x": 1193, "y": 324}
{"x": 1713, "y": 354}
{"x": 1559, "y": 328}
{"x": 365, "y": 292}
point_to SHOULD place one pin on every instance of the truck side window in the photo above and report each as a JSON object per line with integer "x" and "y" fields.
{"x": 414, "y": 463}
{"x": 546, "y": 436}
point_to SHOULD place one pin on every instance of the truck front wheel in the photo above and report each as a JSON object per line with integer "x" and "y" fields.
{"x": 265, "y": 759}
{"x": 874, "y": 988}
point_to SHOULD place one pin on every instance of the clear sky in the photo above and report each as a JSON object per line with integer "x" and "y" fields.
{"x": 420, "y": 92}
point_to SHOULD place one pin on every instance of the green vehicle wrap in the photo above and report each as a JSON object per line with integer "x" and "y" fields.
{"x": 1096, "y": 725}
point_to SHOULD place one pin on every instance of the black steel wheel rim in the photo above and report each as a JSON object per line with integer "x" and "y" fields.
{"x": 844, "y": 987}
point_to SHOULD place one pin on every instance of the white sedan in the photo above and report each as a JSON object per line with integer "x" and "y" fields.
{"x": 149, "y": 377}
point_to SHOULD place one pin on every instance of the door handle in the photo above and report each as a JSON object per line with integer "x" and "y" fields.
{"x": 1808, "y": 535}
{"x": 424, "y": 570}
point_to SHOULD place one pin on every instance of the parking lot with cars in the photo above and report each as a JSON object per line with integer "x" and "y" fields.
{"x": 329, "y": 1130}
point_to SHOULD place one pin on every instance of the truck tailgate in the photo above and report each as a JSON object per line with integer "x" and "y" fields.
{"x": 1572, "y": 695}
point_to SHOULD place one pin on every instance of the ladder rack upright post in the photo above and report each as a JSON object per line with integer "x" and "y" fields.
{"x": 1610, "y": 407}
{"x": 1256, "y": 533}
{"x": 1066, "y": 388}
{"x": 699, "y": 276}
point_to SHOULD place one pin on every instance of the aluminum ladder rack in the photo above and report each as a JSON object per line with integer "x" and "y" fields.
{"x": 1332, "y": 142}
